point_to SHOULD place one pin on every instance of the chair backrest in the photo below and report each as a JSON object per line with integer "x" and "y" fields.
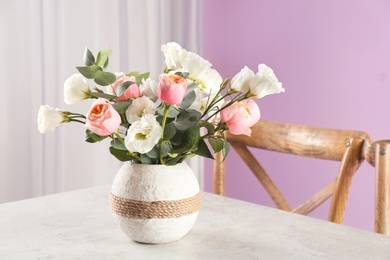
{"x": 348, "y": 147}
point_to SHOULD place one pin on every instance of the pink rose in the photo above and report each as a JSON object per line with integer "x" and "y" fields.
{"x": 240, "y": 116}
{"x": 171, "y": 88}
{"x": 102, "y": 118}
{"x": 131, "y": 92}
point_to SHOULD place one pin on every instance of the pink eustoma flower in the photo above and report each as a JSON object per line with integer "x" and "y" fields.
{"x": 241, "y": 116}
{"x": 171, "y": 88}
{"x": 102, "y": 118}
{"x": 131, "y": 92}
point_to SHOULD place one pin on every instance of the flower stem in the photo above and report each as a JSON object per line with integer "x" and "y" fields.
{"x": 123, "y": 142}
{"x": 164, "y": 121}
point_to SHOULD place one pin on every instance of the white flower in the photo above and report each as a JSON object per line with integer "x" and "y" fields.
{"x": 265, "y": 83}
{"x": 260, "y": 85}
{"x": 149, "y": 88}
{"x": 242, "y": 80}
{"x": 49, "y": 118}
{"x": 174, "y": 54}
{"x": 76, "y": 89}
{"x": 140, "y": 106}
{"x": 143, "y": 134}
{"x": 210, "y": 82}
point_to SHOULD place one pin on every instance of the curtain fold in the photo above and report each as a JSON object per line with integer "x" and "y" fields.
{"x": 40, "y": 45}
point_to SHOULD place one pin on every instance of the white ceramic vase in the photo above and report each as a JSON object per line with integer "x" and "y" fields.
{"x": 155, "y": 203}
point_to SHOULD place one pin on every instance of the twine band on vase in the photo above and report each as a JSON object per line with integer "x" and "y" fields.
{"x": 154, "y": 209}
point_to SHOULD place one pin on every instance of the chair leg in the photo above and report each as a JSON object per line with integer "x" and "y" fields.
{"x": 382, "y": 187}
{"x": 349, "y": 166}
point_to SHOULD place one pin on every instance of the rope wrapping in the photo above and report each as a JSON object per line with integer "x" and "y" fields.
{"x": 154, "y": 209}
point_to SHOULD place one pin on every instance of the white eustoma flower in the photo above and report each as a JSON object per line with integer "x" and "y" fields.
{"x": 210, "y": 82}
{"x": 265, "y": 83}
{"x": 140, "y": 106}
{"x": 242, "y": 80}
{"x": 143, "y": 134}
{"x": 174, "y": 54}
{"x": 49, "y": 118}
{"x": 76, "y": 89}
{"x": 148, "y": 88}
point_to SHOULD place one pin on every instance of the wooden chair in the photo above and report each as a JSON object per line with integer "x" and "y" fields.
{"x": 379, "y": 156}
{"x": 348, "y": 147}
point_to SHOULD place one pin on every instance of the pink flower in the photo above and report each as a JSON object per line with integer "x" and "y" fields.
{"x": 131, "y": 92}
{"x": 240, "y": 116}
{"x": 171, "y": 88}
{"x": 102, "y": 118}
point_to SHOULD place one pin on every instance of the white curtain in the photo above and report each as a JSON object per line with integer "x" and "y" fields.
{"x": 41, "y": 43}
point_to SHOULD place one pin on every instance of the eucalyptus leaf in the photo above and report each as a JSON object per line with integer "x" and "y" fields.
{"x": 91, "y": 137}
{"x": 172, "y": 112}
{"x": 122, "y": 106}
{"x": 89, "y": 59}
{"x": 104, "y": 78}
{"x": 141, "y": 77}
{"x": 122, "y": 87}
{"x": 226, "y": 148}
{"x": 203, "y": 150}
{"x": 154, "y": 153}
{"x": 217, "y": 144}
{"x": 188, "y": 100}
{"x": 189, "y": 141}
{"x": 147, "y": 160}
{"x": 121, "y": 155}
{"x": 191, "y": 87}
{"x": 102, "y": 57}
{"x": 169, "y": 131}
{"x": 187, "y": 119}
{"x": 89, "y": 71}
{"x": 118, "y": 144}
{"x": 174, "y": 161}
{"x": 102, "y": 95}
{"x": 209, "y": 126}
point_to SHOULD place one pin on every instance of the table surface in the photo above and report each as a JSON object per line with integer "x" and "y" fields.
{"x": 79, "y": 225}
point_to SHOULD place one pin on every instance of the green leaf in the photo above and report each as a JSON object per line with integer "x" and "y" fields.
{"x": 118, "y": 144}
{"x": 104, "y": 78}
{"x": 122, "y": 87}
{"x": 217, "y": 144}
{"x": 188, "y": 100}
{"x": 102, "y": 95}
{"x": 133, "y": 73}
{"x": 122, "y": 106}
{"x": 187, "y": 119}
{"x": 203, "y": 150}
{"x": 172, "y": 112}
{"x": 174, "y": 161}
{"x": 191, "y": 87}
{"x": 89, "y": 71}
{"x": 89, "y": 59}
{"x": 103, "y": 58}
{"x": 91, "y": 137}
{"x": 169, "y": 131}
{"x": 226, "y": 148}
{"x": 121, "y": 155}
{"x": 189, "y": 141}
{"x": 147, "y": 160}
{"x": 209, "y": 126}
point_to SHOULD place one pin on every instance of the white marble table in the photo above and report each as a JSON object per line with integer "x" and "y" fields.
{"x": 79, "y": 225}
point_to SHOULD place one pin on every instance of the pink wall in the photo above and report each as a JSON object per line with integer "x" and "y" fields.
{"x": 333, "y": 58}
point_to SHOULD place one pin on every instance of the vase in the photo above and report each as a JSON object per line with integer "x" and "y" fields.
{"x": 155, "y": 204}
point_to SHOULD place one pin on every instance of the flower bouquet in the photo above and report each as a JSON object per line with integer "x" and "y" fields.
{"x": 153, "y": 126}
{"x": 164, "y": 121}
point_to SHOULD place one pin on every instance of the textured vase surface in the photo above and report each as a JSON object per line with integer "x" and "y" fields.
{"x": 155, "y": 203}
